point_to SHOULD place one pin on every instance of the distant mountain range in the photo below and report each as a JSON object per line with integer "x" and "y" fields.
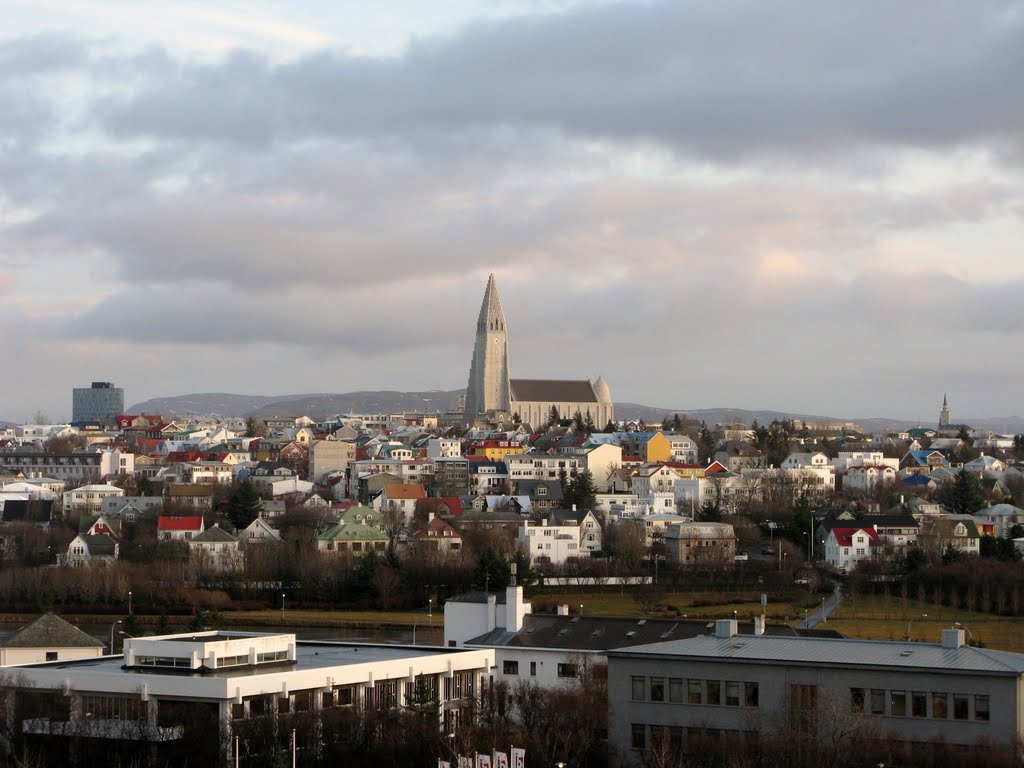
{"x": 321, "y": 406}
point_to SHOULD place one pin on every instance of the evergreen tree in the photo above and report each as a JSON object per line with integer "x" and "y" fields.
{"x": 965, "y": 496}
{"x": 553, "y": 416}
{"x": 492, "y": 571}
{"x": 588, "y": 424}
{"x": 244, "y": 504}
{"x": 582, "y": 491}
{"x": 677, "y": 423}
{"x": 609, "y": 428}
{"x": 577, "y": 421}
{"x": 706, "y": 443}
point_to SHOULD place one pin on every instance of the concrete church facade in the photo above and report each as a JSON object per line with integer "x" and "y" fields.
{"x": 492, "y": 396}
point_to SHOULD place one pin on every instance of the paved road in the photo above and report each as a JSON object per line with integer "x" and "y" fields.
{"x": 821, "y": 615}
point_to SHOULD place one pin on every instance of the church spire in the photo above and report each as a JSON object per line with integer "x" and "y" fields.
{"x": 488, "y": 387}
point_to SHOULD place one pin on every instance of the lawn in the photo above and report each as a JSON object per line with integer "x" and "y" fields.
{"x": 875, "y": 617}
{"x": 709, "y": 605}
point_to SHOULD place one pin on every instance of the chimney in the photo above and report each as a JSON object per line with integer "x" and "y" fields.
{"x": 758, "y": 625}
{"x": 725, "y": 628}
{"x": 952, "y": 638}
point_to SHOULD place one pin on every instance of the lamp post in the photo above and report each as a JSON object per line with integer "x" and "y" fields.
{"x": 129, "y": 602}
{"x": 112, "y": 635}
{"x": 282, "y": 603}
{"x": 910, "y": 623}
{"x": 581, "y": 609}
{"x": 430, "y": 608}
{"x": 824, "y": 617}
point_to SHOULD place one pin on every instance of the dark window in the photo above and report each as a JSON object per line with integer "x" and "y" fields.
{"x": 856, "y": 699}
{"x": 693, "y": 692}
{"x": 919, "y": 704}
{"x": 940, "y": 706}
{"x": 51, "y": 655}
{"x": 961, "y": 706}
{"x": 751, "y": 699}
{"x": 657, "y": 689}
{"x": 639, "y": 740}
{"x": 981, "y": 708}
{"x": 714, "y": 692}
{"x": 533, "y": 669}
{"x": 567, "y": 670}
{"x": 898, "y": 703}
{"x": 510, "y": 667}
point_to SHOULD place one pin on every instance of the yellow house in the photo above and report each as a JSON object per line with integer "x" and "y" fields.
{"x": 495, "y": 450}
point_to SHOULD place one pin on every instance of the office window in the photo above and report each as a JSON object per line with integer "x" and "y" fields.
{"x": 856, "y": 699}
{"x": 567, "y": 670}
{"x": 919, "y": 704}
{"x": 639, "y": 739}
{"x": 732, "y": 694}
{"x": 981, "y": 708}
{"x": 52, "y": 656}
{"x": 639, "y": 688}
{"x": 510, "y": 667}
{"x": 693, "y": 695}
{"x": 940, "y": 706}
{"x": 877, "y": 702}
{"x": 675, "y": 690}
{"x": 657, "y": 689}
{"x": 714, "y": 692}
{"x": 751, "y": 696}
{"x": 533, "y": 669}
{"x": 961, "y": 706}
{"x": 898, "y": 703}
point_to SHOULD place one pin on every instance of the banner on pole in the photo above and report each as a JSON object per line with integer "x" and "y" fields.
{"x": 518, "y": 757}
{"x": 483, "y": 761}
{"x": 500, "y": 759}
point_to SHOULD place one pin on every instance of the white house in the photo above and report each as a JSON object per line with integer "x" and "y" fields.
{"x": 217, "y": 550}
{"x": 87, "y": 498}
{"x": 563, "y": 536}
{"x": 259, "y": 531}
{"x": 48, "y": 638}
{"x": 864, "y": 477}
{"x": 845, "y": 547}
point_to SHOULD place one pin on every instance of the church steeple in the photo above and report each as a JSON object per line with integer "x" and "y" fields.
{"x": 488, "y": 388}
{"x": 944, "y": 414}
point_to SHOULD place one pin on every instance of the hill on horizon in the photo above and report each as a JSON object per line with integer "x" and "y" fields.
{"x": 321, "y": 406}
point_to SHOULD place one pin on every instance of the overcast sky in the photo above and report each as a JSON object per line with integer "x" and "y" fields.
{"x": 803, "y": 206}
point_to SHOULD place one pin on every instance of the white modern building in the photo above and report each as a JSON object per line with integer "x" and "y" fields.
{"x": 190, "y": 694}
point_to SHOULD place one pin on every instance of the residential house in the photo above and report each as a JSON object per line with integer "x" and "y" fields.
{"x": 330, "y": 455}
{"x": 541, "y": 466}
{"x": 259, "y": 531}
{"x": 602, "y": 460}
{"x": 86, "y": 499}
{"x": 401, "y": 498}
{"x": 352, "y": 538}
{"x": 179, "y": 527}
{"x": 487, "y": 477}
{"x": 196, "y": 496}
{"x": 847, "y": 545}
{"x": 1002, "y": 516}
{"x": 700, "y": 544}
{"x": 864, "y": 477}
{"x": 544, "y": 495}
{"x": 958, "y": 531}
{"x": 439, "y": 536}
{"x": 737, "y": 455}
{"x": 89, "y": 550}
{"x": 48, "y": 638}
{"x": 216, "y": 550}
{"x": 922, "y": 461}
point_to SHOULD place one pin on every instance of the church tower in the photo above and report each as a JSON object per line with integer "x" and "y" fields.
{"x": 488, "y": 388}
{"x": 944, "y": 415}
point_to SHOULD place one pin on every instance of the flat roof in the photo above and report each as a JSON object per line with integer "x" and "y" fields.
{"x": 835, "y": 652}
{"x": 309, "y": 655}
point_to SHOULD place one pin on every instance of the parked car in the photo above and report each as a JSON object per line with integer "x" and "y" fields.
{"x": 740, "y": 556}
{"x": 767, "y": 551}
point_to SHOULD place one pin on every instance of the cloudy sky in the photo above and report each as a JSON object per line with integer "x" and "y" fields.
{"x": 803, "y": 206}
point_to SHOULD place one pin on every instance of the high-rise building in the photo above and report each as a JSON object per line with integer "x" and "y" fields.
{"x": 492, "y": 396}
{"x": 101, "y": 403}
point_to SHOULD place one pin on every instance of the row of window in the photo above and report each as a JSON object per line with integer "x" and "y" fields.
{"x": 675, "y": 738}
{"x": 511, "y": 667}
{"x": 676, "y": 690}
{"x": 937, "y": 705}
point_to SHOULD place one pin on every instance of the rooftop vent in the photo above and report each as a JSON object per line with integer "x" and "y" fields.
{"x": 641, "y": 622}
{"x": 952, "y": 638}
{"x": 630, "y": 633}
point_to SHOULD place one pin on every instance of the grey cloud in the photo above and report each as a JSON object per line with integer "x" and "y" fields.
{"x": 40, "y": 54}
{"x": 811, "y": 78}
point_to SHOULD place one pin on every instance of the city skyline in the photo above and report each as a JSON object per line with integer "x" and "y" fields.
{"x": 799, "y": 208}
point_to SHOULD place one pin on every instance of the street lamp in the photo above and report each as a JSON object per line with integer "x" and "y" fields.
{"x": 910, "y": 623}
{"x": 581, "y": 609}
{"x": 129, "y": 602}
{"x": 282, "y": 603}
{"x": 430, "y": 608}
{"x": 824, "y": 616}
{"x": 112, "y": 635}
